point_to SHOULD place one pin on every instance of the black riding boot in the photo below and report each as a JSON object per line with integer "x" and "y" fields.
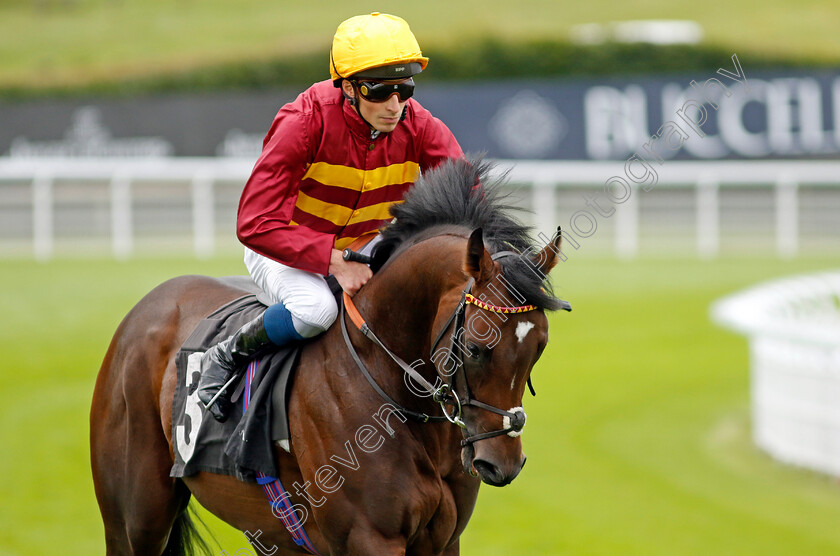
{"x": 227, "y": 358}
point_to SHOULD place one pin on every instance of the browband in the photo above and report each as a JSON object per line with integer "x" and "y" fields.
{"x": 471, "y": 299}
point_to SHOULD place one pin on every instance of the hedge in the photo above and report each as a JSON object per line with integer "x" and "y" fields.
{"x": 477, "y": 60}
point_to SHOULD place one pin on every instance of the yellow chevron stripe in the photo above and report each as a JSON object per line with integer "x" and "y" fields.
{"x": 340, "y": 215}
{"x": 340, "y": 242}
{"x": 344, "y": 242}
{"x": 373, "y": 212}
{"x": 357, "y": 180}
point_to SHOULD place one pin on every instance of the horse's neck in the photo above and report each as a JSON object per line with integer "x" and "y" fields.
{"x": 401, "y": 304}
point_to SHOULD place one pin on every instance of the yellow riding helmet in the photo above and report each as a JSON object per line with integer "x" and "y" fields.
{"x": 375, "y": 46}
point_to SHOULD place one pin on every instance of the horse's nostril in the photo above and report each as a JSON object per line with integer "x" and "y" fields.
{"x": 489, "y": 472}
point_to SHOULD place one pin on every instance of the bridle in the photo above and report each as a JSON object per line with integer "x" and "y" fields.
{"x": 445, "y": 394}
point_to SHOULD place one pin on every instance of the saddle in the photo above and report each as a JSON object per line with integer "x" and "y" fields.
{"x": 242, "y": 446}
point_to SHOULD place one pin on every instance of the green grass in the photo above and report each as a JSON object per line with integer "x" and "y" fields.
{"x": 71, "y": 42}
{"x": 638, "y": 441}
{"x": 639, "y": 437}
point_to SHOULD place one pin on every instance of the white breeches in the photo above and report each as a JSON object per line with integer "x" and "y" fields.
{"x": 305, "y": 294}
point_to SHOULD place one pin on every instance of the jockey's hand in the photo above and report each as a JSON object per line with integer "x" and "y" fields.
{"x": 351, "y": 276}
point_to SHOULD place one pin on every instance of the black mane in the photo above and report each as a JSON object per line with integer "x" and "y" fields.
{"x": 448, "y": 197}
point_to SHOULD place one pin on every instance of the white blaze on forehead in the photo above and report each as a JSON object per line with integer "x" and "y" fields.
{"x": 522, "y": 330}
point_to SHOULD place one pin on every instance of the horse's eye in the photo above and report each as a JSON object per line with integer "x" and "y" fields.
{"x": 473, "y": 351}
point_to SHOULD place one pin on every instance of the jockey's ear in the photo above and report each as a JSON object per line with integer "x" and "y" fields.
{"x": 546, "y": 259}
{"x": 478, "y": 263}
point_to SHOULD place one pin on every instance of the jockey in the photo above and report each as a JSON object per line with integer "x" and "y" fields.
{"x": 333, "y": 162}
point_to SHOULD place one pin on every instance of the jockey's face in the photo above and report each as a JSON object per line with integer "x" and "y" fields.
{"x": 382, "y": 116}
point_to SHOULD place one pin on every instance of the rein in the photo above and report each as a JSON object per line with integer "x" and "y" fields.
{"x": 348, "y": 307}
{"x": 513, "y": 419}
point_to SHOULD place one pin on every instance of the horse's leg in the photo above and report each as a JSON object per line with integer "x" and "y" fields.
{"x": 246, "y": 507}
{"x": 364, "y": 539}
{"x": 130, "y": 457}
{"x": 454, "y": 550}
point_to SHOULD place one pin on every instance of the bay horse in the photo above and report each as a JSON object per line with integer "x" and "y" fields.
{"x": 454, "y": 273}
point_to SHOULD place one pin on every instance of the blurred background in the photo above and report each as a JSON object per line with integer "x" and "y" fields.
{"x": 689, "y": 151}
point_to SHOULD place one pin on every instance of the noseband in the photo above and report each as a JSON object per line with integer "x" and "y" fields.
{"x": 513, "y": 419}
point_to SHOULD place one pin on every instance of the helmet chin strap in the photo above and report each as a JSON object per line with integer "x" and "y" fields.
{"x": 355, "y": 103}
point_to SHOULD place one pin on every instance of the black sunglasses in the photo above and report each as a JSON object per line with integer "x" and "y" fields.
{"x": 375, "y": 91}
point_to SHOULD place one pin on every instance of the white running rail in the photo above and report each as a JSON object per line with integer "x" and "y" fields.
{"x": 545, "y": 179}
{"x": 793, "y": 327}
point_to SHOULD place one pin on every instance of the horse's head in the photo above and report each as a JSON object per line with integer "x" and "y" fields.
{"x": 495, "y": 343}
{"x": 487, "y": 336}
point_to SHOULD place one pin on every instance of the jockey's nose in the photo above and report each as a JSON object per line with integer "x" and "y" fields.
{"x": 393, "y": 102}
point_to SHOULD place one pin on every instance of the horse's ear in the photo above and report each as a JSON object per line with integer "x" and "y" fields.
{"x": 478, "y": 262}
{"x": 546, "y": 259}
